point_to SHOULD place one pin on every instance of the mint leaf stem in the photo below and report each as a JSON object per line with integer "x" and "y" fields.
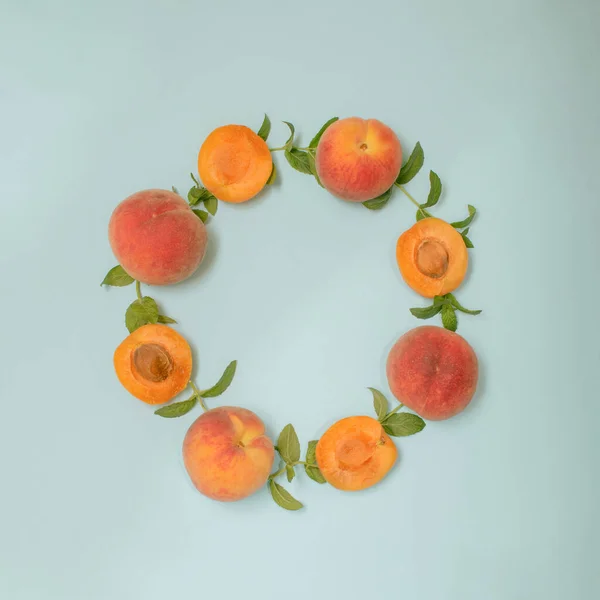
{"x": 198, "y": 396}
{"x": 138, "y": 289}
{"x": 392, "y": 412}
{"x": 411, "y": 198}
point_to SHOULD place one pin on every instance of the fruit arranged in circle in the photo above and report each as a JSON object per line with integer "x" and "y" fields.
{"x": 433, "y": 371}
{"x": 156, "y": 237}
{"x": 432, "y": 257}
{"x": 355, "y": 453}
{"x": 154, "y": 363}
{"x": 358, "y": 159}
{"x": 226, "y": 453}
{"x": 234, "y": 163}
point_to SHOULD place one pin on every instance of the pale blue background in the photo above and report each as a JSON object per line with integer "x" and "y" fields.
{"x": 100, "y": 99}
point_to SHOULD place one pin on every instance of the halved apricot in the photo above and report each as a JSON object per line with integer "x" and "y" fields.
{"x": 432, "y": 257}
{"x": 234, "y": 163}
{"x": 355, "y": 453}
{"x": 154, "y": 363}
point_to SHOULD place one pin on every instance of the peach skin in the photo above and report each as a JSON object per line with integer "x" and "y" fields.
{"x": 227, "y": 455}
{"x": 358, "y": 159}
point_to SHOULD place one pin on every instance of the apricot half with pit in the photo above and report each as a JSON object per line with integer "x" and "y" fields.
{"x": 355, "y": 453}
{"x": 432, "y": 257}
{"x": 153, "y": 363}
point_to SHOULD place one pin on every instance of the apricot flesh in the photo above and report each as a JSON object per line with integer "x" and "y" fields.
{"x": 234, "y": 163}
{"x": 227, "y": 455}
{"x": 153, "y": 363}
{"x": 358, "y": 159}
{"x": 433, "y": 371}
{"x": 355, "y": 453}
{"x": 156, "y": 237}
{"x": 432, "y": 257}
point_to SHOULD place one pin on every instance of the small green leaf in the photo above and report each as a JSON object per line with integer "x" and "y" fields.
{"x": 141, "y": 312}
{"x": 201, "y": 214}
{"x": 459, "y": 306}
{"x": 311, "y": 452}
{"x": 467, "y": 221}
{"x": 412, "y": 166}
{"x": 421, "y": 214}
{"x": 380, "y": 201}
{"x": 449, "y": 320}
{"x": 265, "y": 128}
{"x": 195, "y": 180}
{"x": 380, "y": 403}
{"x": 283, "y": 497}
{"x": 425, "y": 313}
{"x": 288, "y": 444}
{"x": 468, "y": 242}
{"x": 290, "y": 141}
{"x": 298, "y": 160}
{"x": 117, "y": 277}
{"x": 290, "y": 473}
{"x": 315, "y": 141}
{"x": 272, "y": 176}
{"x": 403, "y": 424}
{"x": 211, "y": 205}
{"x": 194, "y": 195}
{"x": 435, "y": 190}
{"x": 223, "y": 383}
{"x": 314, "y": 473}
{"x": 439, "y": 300}
{"x": 313, "y": 167}
{"x": 175, "y": 190}
{"x": 177, "y": 409}
{"x": 165, "y": 320}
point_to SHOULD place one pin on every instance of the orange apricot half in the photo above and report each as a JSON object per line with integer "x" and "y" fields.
{"x": 355, "y": 453}
{"x": 154, "y": 363}
{"x": 234, "y": 163}
{"x": 432, "y": 257}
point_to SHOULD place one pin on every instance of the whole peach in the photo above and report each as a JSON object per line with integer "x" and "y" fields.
{"x": 358, "y": 159}
{"x": 433, "y": 371}
{"x": 156, "y": 237}
{"x": 227, "y": 454}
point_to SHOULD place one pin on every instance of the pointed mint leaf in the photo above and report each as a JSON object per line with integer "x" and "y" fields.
{"x": 435, "y": 190}
{"x": 117, "y": 277}
{"x": 379, "y": 202}
{"x": 412, "y": 166}
{"x": 265, "y": 128}
{"x": 315, "y": 141}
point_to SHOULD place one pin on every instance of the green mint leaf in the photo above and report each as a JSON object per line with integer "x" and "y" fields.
{"x": 379, "y": 202}
{"x": 290, "y": 473}
{"x": 177, "y": 409}
{"x": 211, "y": 204}
{"x": 117, "y": 277}
{"x": 298, "y": 160}
{"x": 175, "y": 190}
{"x": 313, "y": 167}
{"x": 425, "y": 313}
{"x": 412, "y": 166}
{"x": 421, "y": 214}
{"x": 439, "y": 300}
{"x": 459, "y": 306}
{"x": 468, "y": 242}
{"x": 449, "y": 320}
{"x": 311, "y": 452}
{"x": 403, "y": 424}
{"x": 165, "y": 320}
{"x": 435, "y": 190}
{"x": 194, "y": 195}
{"x": 288, "y": 444}
{"x": 315, "y": 141}
{"x": 265, "y": 128}
{"x": 283, "y": 497}
{"x": 467, "y": 221}
{"x": 141, "y": 312}
{"x": 314, "y": 473}
{"x": 290, "y": 141}
{"x": 380, "y": 403}
{"x": 272, "y": 176}
{"x": 223, "y": 383}
{"x": 201, "y": 214}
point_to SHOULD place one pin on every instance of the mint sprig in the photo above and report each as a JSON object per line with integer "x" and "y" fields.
{"x": 447, "y": 305}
